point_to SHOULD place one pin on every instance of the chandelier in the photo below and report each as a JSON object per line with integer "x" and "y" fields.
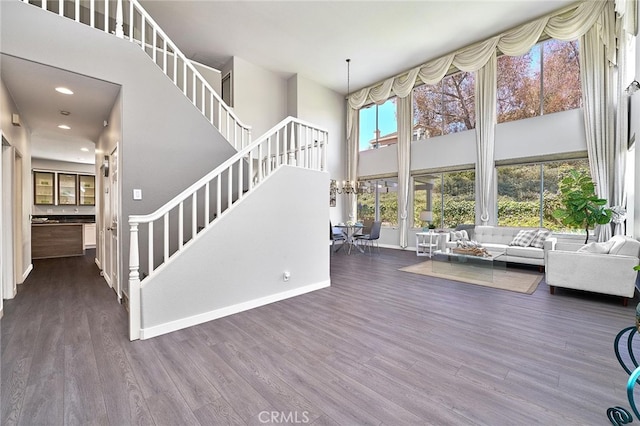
{"x": 349, "y": 187}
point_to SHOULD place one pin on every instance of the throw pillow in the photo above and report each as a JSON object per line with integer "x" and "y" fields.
{"x": 458, "y": 235}
{"x": 539, "y": 239}
{"x": 524, "y": 237}
{"x": 598, "y": 248}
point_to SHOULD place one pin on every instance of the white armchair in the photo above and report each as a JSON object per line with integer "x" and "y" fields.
{"x": 599, "y": 267}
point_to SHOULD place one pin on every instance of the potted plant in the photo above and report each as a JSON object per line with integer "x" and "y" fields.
{"x": 582, "y": 207}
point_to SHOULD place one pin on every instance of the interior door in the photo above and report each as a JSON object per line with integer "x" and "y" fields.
{"x": 112, "y": 224}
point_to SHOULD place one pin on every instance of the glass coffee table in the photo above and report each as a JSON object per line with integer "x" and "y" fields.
{"x": 466, "y": 266}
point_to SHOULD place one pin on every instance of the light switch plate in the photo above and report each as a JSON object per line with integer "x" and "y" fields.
{"x": 137, "y": 194}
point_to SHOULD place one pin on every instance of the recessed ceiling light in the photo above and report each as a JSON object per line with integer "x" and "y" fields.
{"x": 64, "y": 91}
{"x": 64, "y": 127}
{"x": 65, "y": 112}
{"x": 84, "y": 149}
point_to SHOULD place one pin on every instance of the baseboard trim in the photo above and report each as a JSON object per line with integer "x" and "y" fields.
{"x": 26, "y": 273}
{"x": 147, "y": 333}
{"x": 98, "y": 263}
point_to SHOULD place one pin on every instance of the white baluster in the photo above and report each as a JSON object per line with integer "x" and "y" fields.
{"x": 277, "y": 149}
{"x": 166, "y": 237}
{"x": 92, "y": 12}
{"x": 230, "y": 186}
{"x": 134, "y": 284}
{"x": 181, "y": 225}
{"x": 218, "y": 195}
{"x": 194, "y": 214}
{"x": 76, "y": 12}
{"x": 193, "y": 89}
{"x": 207, "y": 219}
{"x": 164, "y": 56}
{"x": 154, "y": 54}
{"x": 106, "y": 16}
{"x": 150, "y": 238}
{"x": 250, "y": 172}
{"x": 143, "y": 32}
{"x": 44, "y": 4}
{"x": 61, "y": 7}
{"x": 240, "y": 179}
{"x": 132, "y": 21}
{"x": 119, "y": 20}
{"x": 184, "y": 77}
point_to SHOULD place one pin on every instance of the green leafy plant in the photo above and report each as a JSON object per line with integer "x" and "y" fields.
{"x": 582, "y": 207}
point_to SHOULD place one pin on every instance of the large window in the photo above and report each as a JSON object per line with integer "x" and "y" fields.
{"x": 528, "y": 193}
{"x": 544, "y": 80}
{"x": 381, "y": 203}
{"x": 378, "y": 125}
{"x": 450, "y": 196}
{"x": 444, "y": 108}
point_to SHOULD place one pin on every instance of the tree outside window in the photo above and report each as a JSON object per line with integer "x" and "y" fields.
{"x": 522, "y": 94}
{"x": 528, "y": 193}
{"x": 381, "y": 203}
{"x": 450, "y": 195}
{"x": 444, "y": 108}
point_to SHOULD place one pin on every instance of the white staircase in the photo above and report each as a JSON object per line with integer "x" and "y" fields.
{"x": 157, "y": 239}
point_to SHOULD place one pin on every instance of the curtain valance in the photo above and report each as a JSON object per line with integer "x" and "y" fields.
{"x": 565, "y": 25}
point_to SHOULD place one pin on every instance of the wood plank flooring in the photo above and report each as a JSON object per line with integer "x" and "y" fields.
{"x": 380, "y": 346}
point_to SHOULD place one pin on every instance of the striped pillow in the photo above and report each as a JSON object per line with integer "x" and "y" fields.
{"x": 539, "y": 239}
{"x": 524, "y": 238}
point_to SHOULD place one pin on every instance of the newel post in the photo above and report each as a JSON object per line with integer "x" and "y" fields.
{"x": 119, "y": 20}
{"x": 134, "y": 284}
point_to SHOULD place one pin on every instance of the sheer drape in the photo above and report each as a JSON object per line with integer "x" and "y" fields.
{"x": 485, "y": 138}
{"x": 594, "y": 23}
{"x": 568, "y": 24}
{"x": 353, "y": 130}
{"x": 405, "y": 126}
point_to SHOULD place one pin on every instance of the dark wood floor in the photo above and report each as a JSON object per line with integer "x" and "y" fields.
{"x": 380, "y": 346}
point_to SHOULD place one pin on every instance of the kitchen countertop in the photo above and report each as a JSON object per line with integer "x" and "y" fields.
{"x": 62, "y": 219}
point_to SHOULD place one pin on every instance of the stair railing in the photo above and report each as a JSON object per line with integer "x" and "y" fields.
{"x": 128, "y": 20}
{"x": 291, "y": 142}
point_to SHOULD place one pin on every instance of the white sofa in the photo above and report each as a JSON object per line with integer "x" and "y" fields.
{"x": 496, "y": 240}
{"x": 599, "y": 267}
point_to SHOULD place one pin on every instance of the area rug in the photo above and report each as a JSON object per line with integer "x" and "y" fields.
{"x": 520, "y": 281}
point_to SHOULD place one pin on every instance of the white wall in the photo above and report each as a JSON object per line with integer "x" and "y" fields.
{"x": 18, "y": 138}
{"x": 316, "y": 104}
{"x": 160, "y": 133}
{"x": 241, "y": 258}
{"x": 259, "y": 96}
{"x": 212, "y": 76}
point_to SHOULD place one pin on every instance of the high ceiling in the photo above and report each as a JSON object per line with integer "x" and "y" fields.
{"x": 309, "y": 38}
{"x": 313, "y": 38}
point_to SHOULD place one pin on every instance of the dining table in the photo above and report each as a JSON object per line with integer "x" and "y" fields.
{"x": 350, "y": 232}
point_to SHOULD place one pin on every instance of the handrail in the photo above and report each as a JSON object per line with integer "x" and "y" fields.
{"x": 211, "y": 175}
{"x": 162, "y": 51}
{"x": 291, "y": 142}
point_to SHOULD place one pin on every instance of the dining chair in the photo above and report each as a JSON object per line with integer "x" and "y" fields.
{"x": 336, "y": 234}
{"x": 372, "y": 237}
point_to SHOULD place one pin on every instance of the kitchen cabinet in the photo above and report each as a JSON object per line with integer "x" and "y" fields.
{"x": 67, "y": 189}
{"x": 63, "y": 189}
{"x": 87, "y": 193}
{"x": 89, "y": 235}
{"x": 43, "y": 185}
